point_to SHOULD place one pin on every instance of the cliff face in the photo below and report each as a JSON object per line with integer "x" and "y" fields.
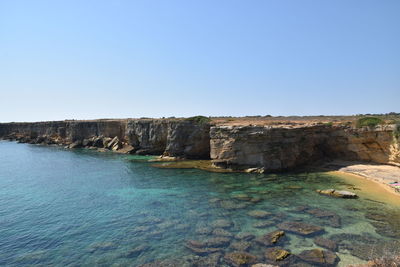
{"x": 179, "y": 138}
{"x": 237, "y": 147}
{"x": 277, "y": 149}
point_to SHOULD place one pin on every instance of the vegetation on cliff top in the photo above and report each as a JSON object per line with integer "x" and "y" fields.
{"x": 369, "y": 121}
{"x": 199, "y": 119}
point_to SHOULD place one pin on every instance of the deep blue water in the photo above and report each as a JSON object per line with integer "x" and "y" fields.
{"x": 72, "y": 208}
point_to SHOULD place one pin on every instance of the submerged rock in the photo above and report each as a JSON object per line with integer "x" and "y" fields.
{"x": 216, "y": 242}
{"x": 301, "y": 228}
{"x": 240, "y": 259}
{"x": 211, "y": 260}
{"x": 259, "y": 214}
{"x": 270, "y": 239}
{"x": 240, "y": 246}
{"x": 263, "y": 224}
{"x": 337, "y": 193}
{"x": 221, "y": 223}
{"x": 276, "y": 254}
{"x": 136, "y": 251}
{"x": 245, "y": 236}
{"x": 326, "y": 243}
{"x": 319, "y": 257}
{"x": 222, "y": 232}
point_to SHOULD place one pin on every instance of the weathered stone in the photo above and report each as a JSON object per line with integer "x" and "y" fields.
{"x": 203, "y": 230}
{"x": 337, "y": 193}
{"x": 271, "y": 238}
{"x": 301, "y": 228}
{"x": 222, "y": 232}
{"x": 259, "y": 214}
{"x": 239, "y": 259}
{"x": 245, "y": 236}
{"x": 241, "y": 246}
{"x": 319, "y": 257}
{"x": 326, "y": 243}
{"x": 276, "y": 254}
{"x": 221, "y": 223}
{"x": 76, "y": 144}
{"x": 216, "y": 242}
{"x": 136, "y": 251}
{"x": 263, "y": 224}
{"x": 211, "y": 260}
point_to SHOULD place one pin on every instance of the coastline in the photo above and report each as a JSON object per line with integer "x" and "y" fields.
{"x": 369, "y": 187}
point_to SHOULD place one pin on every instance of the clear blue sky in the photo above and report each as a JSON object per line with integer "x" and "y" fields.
{"x": 116, "y": 59}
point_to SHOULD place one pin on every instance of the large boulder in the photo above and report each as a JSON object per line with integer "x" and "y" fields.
{"x": 276, "y": 254}
{"x": 240, "y": 259}
{"x": 337, "y": 193}
{"x": 271, "y": 238}
{"x": 300, "y": 228}
{"x": 319, "y": 257}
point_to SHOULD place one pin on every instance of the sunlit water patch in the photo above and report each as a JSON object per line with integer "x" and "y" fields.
{"x": 70, "y": 208}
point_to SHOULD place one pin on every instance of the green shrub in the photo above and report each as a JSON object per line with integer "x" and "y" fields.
{"x": 199, "y": 119}
{"x": 369, "y": 121}
{"x": 396, "y": 131}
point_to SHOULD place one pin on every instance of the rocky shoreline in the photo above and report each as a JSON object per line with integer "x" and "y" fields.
{"x": 248, "y": 148}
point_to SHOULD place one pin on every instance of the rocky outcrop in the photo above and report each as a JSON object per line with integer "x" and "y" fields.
{"x": 169, "y": 137}
{"x": 250, "y": 148}
{"x": 268, "y": 148}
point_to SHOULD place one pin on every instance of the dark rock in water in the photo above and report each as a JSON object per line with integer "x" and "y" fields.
{"x": 270, "y": 239}
{"x": 337, "y": 193}
{"x": 240, "y": 246}
{"x": 98, "y": 142}
{"x": 240, "y": 259}
{"x": 102, "y": 246}
{"x": 263, "y": 224}
{"x": 203, "y": 230}
{"x": 200, "y": 248}
{"x": 222, "y": 232}
{"x": 211, "y": 260}
{"x": 166, "y": 263}
{"x": 276, "y": 254}
{"x": 319, "y": 257}
{"x": 243, "y": 197}
{"x": 301, "y": 228}
{"x": 245, "y": 236}
{"x": 232, "y": 205}
{"x": 221, "y": 223}
{"x": 76, "y": 144}
{"x": 259, "y": 214}
{"x": 366, "y": 246}
{"x": 326, "y": 243}
{"x": 218, "y": 242}
{"x": 136, "y": 251}
{"x": 386, "y": 222}
{"x": 87, "y": 142}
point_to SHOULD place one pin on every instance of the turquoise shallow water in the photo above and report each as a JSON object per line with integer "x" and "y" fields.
{"x": 84, "y": 208}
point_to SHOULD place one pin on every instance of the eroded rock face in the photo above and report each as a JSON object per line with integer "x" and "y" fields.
{"x": 278, "y": 148}
{"x": 169, "y": 137}
{"x": 251, "y": 148}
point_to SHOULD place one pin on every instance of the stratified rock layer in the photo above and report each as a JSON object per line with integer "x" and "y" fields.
{"x": 251, "y": 148}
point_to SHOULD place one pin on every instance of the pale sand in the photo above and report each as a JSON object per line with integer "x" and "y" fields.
{"x": 372, "y": 180}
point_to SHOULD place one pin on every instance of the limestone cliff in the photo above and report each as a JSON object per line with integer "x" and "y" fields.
{"x": 280, "y": 148}
{"x": 271, "y": 148}
{"x": 175, "y": 137}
